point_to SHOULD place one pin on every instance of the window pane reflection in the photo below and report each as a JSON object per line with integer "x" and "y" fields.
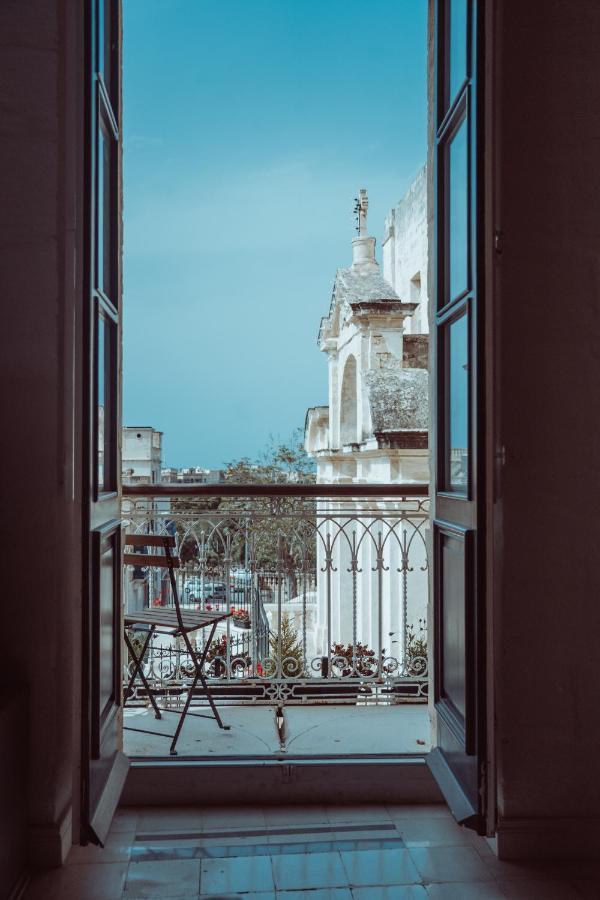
{"x": 458, "y": 404}
{"x": 457, "y": 49}
{"x": 458, "y": 214}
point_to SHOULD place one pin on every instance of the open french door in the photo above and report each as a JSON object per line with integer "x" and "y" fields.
{"x": 104, "y": 766}
{"x": 458, "y": 761}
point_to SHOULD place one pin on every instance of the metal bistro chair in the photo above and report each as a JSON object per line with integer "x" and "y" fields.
{"x": 172, "y": 621}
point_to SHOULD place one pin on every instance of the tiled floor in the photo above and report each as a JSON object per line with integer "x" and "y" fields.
{"x": 308, "y": 729}
{"x": 318, "y": 852}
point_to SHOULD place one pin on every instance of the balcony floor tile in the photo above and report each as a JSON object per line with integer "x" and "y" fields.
{"x": 319, "y": 730}
{"x": 307, "y": 872}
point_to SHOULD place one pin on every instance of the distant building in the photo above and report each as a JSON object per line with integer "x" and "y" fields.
{"x": 192, "y": 475}
{"x": 141, "y": 464}
{"x": 141, "y": 455}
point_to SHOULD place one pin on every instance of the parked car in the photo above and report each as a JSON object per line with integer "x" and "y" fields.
{"x": 240, "y": 581}
{"x": 211, "y": 590}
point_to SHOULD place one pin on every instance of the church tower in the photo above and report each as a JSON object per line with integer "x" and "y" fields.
{"x": 375, "y": 426}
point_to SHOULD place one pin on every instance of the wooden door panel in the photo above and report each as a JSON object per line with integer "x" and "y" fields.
{"x": 104, "y": 767}
{"x": 458, "y": 601}
{"x": 451, "y": 687}
{"x": 106, "y": 620}
{"x": 455, "y": 633}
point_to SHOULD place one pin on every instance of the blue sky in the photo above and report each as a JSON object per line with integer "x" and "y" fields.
{"x": 249, "y": 126}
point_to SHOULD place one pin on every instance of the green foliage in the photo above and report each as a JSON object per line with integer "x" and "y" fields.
{"x": 268, "y": 536}
{"x": 289, "y": 660}
{"x": 271, "y": 536}
{"x": 217, "y": 659}
{"x": 416, "y": 649}
{"x": 187, "y": 508}
{"x": 364, "y": 658}
{"x": 278, "y": 464}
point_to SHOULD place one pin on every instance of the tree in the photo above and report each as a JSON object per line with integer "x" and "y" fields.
{"x": 283, "y": 542}
{"x": 286, "y": 660}
{"x": 242, "y": 531}
{"x": 279, "y": 464}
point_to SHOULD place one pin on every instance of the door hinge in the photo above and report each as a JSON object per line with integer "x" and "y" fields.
{"x": 498, "y": 242}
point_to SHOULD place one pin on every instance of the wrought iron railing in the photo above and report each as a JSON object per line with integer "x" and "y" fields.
{"x": 328, "y": 585}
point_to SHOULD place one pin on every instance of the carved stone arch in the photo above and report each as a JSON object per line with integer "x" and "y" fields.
{"x": 349, "y": 403}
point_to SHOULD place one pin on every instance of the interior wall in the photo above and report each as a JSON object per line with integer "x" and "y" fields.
{"x": 40, "y": 280}
{"x": 546, "y": 296}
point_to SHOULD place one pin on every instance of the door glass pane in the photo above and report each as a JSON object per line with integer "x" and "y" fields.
{"x": 457, "y": 46}
{"x": 104, "y": 273}
{"x": 101, "y": 386}
{"x": 458, "y": 405}
{"x": 106, "y": 628}
{"x": 105, "y": 43}
{"x": 457, "y": 222}
{"x": 106, "y": 405}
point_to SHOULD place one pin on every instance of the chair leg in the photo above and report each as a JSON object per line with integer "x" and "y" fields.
{"x": 212, "y": 704}
{"x": 137, "y": 670}
{"x": 199, "y": 676}
{"x": 182, "y": 716}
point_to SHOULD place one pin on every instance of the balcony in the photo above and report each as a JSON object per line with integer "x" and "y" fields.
{"x": 326, "y": 651}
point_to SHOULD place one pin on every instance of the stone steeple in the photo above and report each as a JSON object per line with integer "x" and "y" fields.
{"x": 363, "y": 246}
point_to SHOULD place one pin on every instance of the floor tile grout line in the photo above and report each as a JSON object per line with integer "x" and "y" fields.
{"x": 273, "y": 850}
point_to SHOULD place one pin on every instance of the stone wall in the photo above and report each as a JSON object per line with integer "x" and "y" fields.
{"x": 405, "y": 251}
{"x": 41, "y": 369}
{"x": 415, "y": 351}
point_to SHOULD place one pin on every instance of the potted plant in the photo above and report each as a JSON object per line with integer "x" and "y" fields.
{"x": 241, "y": 618}
{"x": 409, "y": 679}
{"x": 217, "y": 659}
{"x": 347, "y": 661}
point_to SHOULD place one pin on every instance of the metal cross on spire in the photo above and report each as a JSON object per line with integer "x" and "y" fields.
{"x": 361, "y": 205}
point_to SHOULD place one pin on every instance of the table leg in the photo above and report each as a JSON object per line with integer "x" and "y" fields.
{"x": 138, "y": 670}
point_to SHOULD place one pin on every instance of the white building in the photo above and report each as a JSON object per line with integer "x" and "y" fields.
{"x": 404, "y": 252}
{"x": 141, "y": 464}
{"x": 374, "y": 429}
{"x": 192, "y": 475}
{"x": 141, "y": 455}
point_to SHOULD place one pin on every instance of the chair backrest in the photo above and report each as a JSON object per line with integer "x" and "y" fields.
{"x": 151, "y": 559}
{"x": 166, "y": 561}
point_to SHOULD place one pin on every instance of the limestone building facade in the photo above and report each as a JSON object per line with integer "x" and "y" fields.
{"x": 404, "y": 252}
{"x": 374, "y": 430}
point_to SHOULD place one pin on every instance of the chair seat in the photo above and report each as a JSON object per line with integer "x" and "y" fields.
{"x": 166, "y": 617}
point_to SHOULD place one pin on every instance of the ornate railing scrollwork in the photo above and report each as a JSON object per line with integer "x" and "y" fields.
{"x": 328, "y": 591}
